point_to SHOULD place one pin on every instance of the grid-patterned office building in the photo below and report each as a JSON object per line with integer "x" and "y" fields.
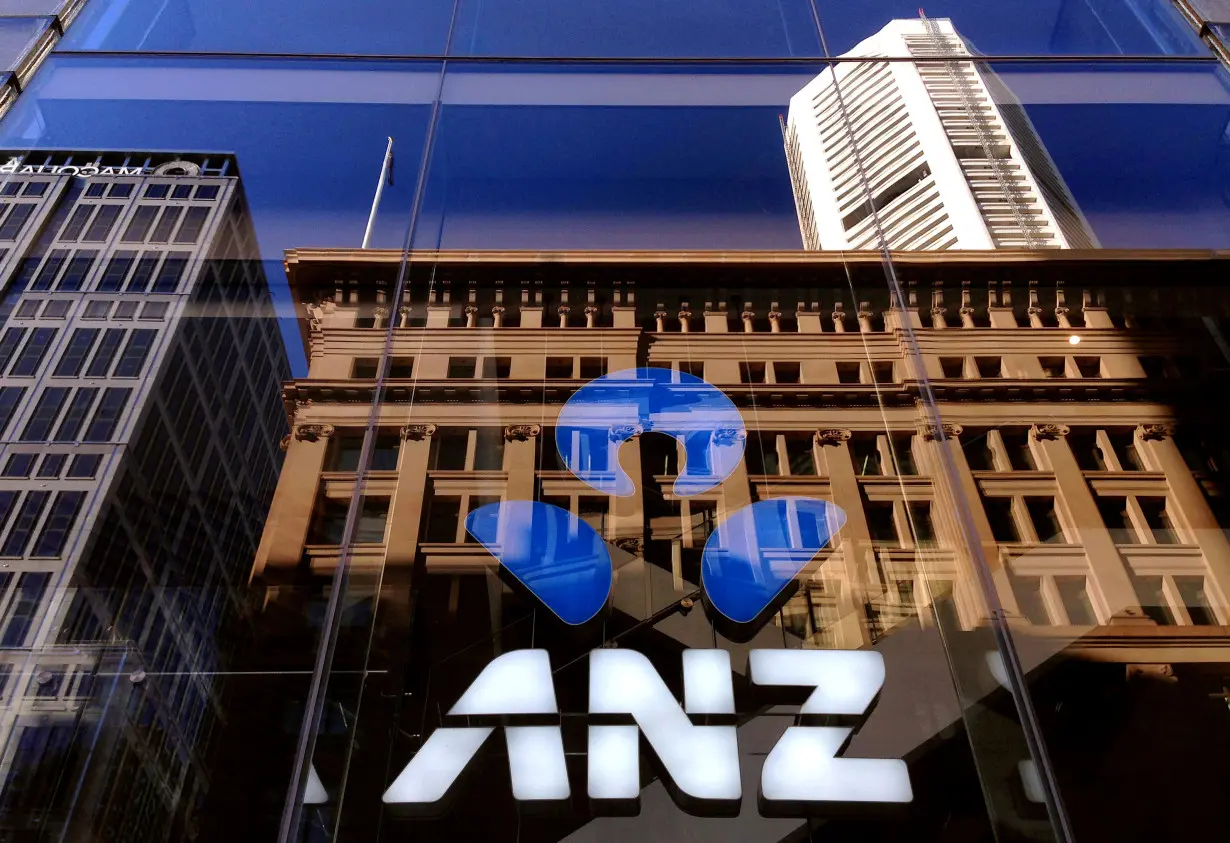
{"x": 140, "y": 364}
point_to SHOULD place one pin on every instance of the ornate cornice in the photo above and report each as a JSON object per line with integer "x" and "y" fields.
{"x": 728, "y": 435}
{"x": 521, "y": 432}
{"x": 1050, "y": 432}
{"x": 622, "y": 432}
{"x": 418, "y": 432}
{"x": 1156, "y": 432}
{"x": 832, "y": 436}
{"x": 313, "y": 432}
{"x": 930, "y": 431}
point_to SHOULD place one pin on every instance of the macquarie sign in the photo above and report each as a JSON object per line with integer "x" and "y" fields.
{"x": 748, "y": 566}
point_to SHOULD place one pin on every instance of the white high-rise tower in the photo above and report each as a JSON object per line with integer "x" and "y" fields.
{"x": 941, "y": 150}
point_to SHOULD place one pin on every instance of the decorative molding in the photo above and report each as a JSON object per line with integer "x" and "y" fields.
{"x": 623, "y": 432}
{"x": 1050, "y": 432}
{"x": 418, "y": 432}
{"x": 284, "y": 445}
{"x": 631, "y": 544}
{"x": 521, "y": 432}
{"x": 832, "y": 436}
{"x": 930, "y": 431}
{"x": 729, "y": 435}
{"x": 313, "y": 432}
{"x": 1156, "y": 432}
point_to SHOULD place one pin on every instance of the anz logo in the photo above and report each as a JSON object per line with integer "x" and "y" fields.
{"x": 748, "y": 566}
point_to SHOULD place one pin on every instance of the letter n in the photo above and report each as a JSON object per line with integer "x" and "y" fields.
{"x": 700, "y": 763}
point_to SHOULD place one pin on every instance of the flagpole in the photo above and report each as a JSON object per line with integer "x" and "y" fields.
{"x": 384, "y": 175}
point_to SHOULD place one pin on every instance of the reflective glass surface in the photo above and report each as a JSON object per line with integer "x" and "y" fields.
{"x": 756, "y": 421}
{"x": 17, "y": 36}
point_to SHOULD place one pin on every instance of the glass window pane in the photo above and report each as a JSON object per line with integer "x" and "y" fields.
{"x": 17, "y": 37}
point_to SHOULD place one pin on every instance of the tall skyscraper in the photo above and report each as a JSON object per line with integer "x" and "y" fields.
{"x": 932, "y": 153}
{"x": 140, "y": 366}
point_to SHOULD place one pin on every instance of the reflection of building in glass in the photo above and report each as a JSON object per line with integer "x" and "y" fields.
{"x": 139, "y": 373}
{"x": 927, "y": 154}
{"x": 1098, "y": 521}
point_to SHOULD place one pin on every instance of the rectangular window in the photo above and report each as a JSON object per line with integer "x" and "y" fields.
{"x": 593, "y": 511}
{"x": 35, "y": 188}
{"x": 364, "y": 368}
{"x": 15, "y": 222}
{"x": 344, "y": 452}
{"x": 166, "y": 224}
{"x": 181, "y": 191}
{"x": 133, "y": 359}
{"x": 78, "y": 268}
{"x": 695, "y": 368}
{"x": 139, "y": 282}
{"x": 1045, "y": 520}
{"x": 138, "y": 226}
{"x": 761, "y": 453}
{"x": 38, "y": 428}
{"x": 8, "y": 499}
{"x": 11, "y": 188}
{"x": 30, "y": 588}
{"x": 1158, "y": 519}
{"x": 1152, "y": 596}
{"x": 1074, "y": 595}
{"x": 559, "y": 368}
{"x": 1016, "y": 447}
{"x": 489, "y": 449}
{"x": 76, "y": 351}
{"x": 751, "y": 372}
{"x": 1196, "y": 599}
{"x": 8, "y": 345}
{"x": 1124, "y": 445}
{"x": 921, "y": 524}
{"x": 96, "y": 189}
{"x": 1118, "y": 523}
{"x": 1053, "y": 367}
{"x": 206, "y": 192}
{"x": 28, "y": 309}
{"x": 23, "y": 525}
{"x": 443, "y": 516}
{"x": 108, "y": 414}
{"x": 401, "y": 368}
{"x": 977, "y": 450}
{"x": 449, "y": 449}
{"x": 384, "y": 453}
{"x": 157, "y": 191}
{"x": 882, "y": 372}
{"x": 849, "y": 373}
{"x": 20, "y": 465}
{"x": 989, "y": 367}
{"x": 85, "y": 465}
{"x": 999, "y": 514}
{"x": 100, "y": 228}
{"x": 190, "y": 229}
{"x": 461, "y": 367}
{"x": 328, "y": 521}
{"x": 786, "y": 372}
{"x": 10, "y": 397}
{"x": 101, "y": 364}
{"x": 1084, "y": 445}
{"x": 59, "y": 524}
{"x": 76, "y": 221}
{"x": 96, "y": 309}
{"x": 497, "y": 367}
{"x": 880, "y": 523}
{"x": 373, "y": 518}
{"x": 78, "y": 412}
{"x": 1089, "y": 367}
{"x": 865, "y": 451}
{"x": 50, "y": 271}
{"x": 171, "y": 273}
{"x": 125, "y": 309}
{"x": 154, "y": 310}
{"x": 120, "y": 191}
{"x": 52, "y": 465}
{"x": 57, "y": 309}
{"x": 117, "y": 270}
{"x": 592, "y": 367}
{"x": 903, "y": 454}
{"x": 800, "y": 455}
{"x": 1028, "y": 591}
{"x": 1155, "y": 367}
{"x": 702, "y": 517}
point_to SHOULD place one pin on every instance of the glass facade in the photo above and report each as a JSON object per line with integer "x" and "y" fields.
{"x": 764, "y": 420}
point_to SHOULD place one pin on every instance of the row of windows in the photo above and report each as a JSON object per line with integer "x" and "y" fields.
{"x": 34, "y": 308}
{"x": 25, "y": 188}
{"x": 68, "y": 415}
{"x": 1064, "y": 600}
{"x": 155, "y": 224}
{"x": 13, "y": 218}
{"x": 100, "y": 347}
{"x": 28, "y": 532}
{"x": 82, "y": 466}
{"x": 1034, "y": 519}
{"x": 66, "y": 271}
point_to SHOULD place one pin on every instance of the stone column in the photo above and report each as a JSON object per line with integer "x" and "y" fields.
{"x": 1187, "y": 500}
{"x": 519, "y": 461}
{"x": 627, "y": 520}
{"x": 854, "y": 537}
{"x": 291, "y": 512}
{"x": 937, "y": 454}
{"x": 1107, "y": 570}
{"x": 406, "y": 508}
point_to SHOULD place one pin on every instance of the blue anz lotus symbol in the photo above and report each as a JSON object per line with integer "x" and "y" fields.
{"x": 749, "y": 563}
